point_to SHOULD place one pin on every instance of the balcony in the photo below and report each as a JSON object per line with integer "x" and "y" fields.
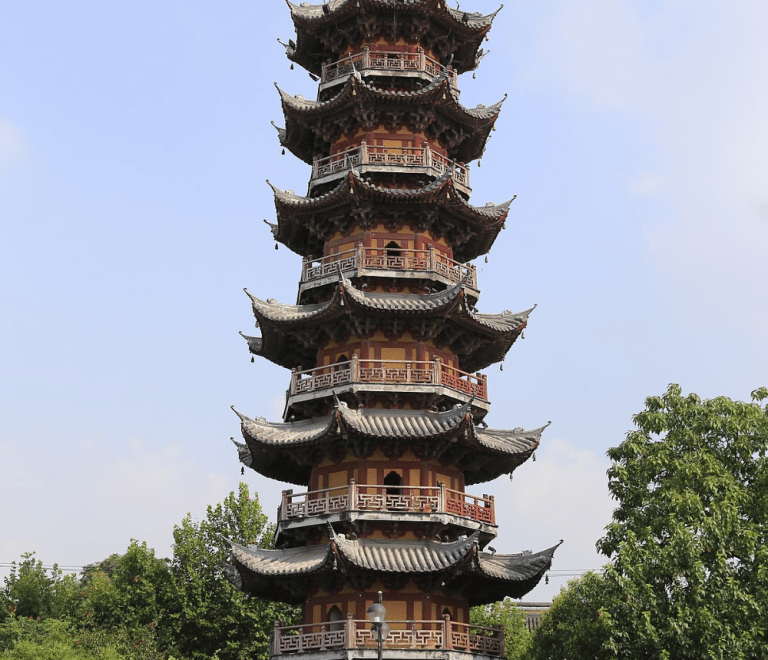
{"x": 385, "y": 63}
{"x": 382, "y": 499}
{"x": 394, "y": 377}
{"x": 404, "y": 160}
{"x": 380, "y": 262}
{"x": 444, "y": 635}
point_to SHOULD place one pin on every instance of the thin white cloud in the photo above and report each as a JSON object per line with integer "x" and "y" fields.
{"x": 645, "y": 184}
{"x": 562, "y": 495}
{"x": 694, "y": 81}
{"x": 14, "y": 146}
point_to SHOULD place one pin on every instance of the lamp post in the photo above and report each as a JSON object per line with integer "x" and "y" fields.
{"x": 379, "y": 626}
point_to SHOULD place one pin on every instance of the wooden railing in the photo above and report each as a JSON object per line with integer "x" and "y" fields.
{"x": 389, "y": 372}
{"x": 355, "y": 633}
{"x": 399, "y": 259}
{"x": 374, "y": 155}
{"x": 385, "y": 60}
{"x": 399, "y": 499}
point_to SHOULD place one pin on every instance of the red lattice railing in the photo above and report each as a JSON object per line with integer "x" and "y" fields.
{"x": 388, "y": 61}
{"x": 368, "y": 258}
{"x": 401, "y": 372}
{"x": 355, "y": 633}
{"x": 378, "y": 497}
{"x": 363, "y": 155}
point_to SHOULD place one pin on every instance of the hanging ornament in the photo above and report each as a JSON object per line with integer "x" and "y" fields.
{"x": 283, "y": 152}
{"x": 534, "y": 457}
{"x": 486, "y": 258}
{"x": 546, "y": 579}
{"x": 479, "y": 163}
{"x": 275, "y": 246}
{"x": 474, "y": 75}
{"x": 291, "y": 66}
{"x": 251, "y": 358}
{"x": 501, "y": 367}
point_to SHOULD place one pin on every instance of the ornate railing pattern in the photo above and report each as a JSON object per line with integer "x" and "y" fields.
{"x": 400, "y": 259}
{"x": 406, "y": 499}
{"x": 355, "y": 633}
{"x": 394, "y": 372}
{"x": 386, "y": 60}
{"x": 364, "y": 154}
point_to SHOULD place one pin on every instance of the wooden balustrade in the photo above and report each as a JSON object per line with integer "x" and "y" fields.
{"x": 424, "y": 157}
{"x": 389, "y": 61}
{"x": 389, "y": 372}
{"x": 402, "y": 259}
{"x": 356, "y": 633}
{"x": 377, "y": 497}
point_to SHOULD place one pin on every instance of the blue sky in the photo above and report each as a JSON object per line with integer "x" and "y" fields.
{"x": 135, "y": 142}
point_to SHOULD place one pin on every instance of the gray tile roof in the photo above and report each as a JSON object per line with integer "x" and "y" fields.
{"x": 402, "y": 423}
{"x": 482, "y": 576}
{"x": 312, "y": 22}
{"x": 301, "y": 560}
{"x": 298, "y": 216}
{"x": 279, "y": 450}
{"x": 291, "y": 334}
{"x": 515, "y": 567}
{"x": 308, "y": 12}
{"x": 403, "y": 556}
{"x": 356, "y": 90}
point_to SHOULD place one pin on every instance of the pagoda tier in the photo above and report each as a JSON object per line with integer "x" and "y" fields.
{"x": 292, "y": 335}
{"x": 291, "y": 575}
{"x": 433, "y": 111}
{"x": 305, "y": 224}
{"x": 289, "y": 451}
{"x": 326, "y": 32}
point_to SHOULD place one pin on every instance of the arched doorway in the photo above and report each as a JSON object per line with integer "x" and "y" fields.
{"x": 335, "y": 618}
{"x": 393, "y": 483}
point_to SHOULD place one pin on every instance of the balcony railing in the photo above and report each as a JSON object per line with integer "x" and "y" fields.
{"x": 367, "y": 258}
{"x": 352, "y": 633}
{"x": 381, "y": 498}
{"x": 387, "y": 61}
{"x": 389, "y": 372}
{"x": 377, "y": 158}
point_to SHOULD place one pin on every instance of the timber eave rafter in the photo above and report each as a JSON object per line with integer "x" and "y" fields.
{"x": 434, "y": 108}
{"x": 284, "y": 450}
{"x": 325, "y": 30}
{"x": 291, "y": 334}
{"x": 288, "y": 573}
{"x": 305, "y": 223}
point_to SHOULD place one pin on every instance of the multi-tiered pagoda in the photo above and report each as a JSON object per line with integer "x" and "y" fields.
{"x": 383, "y": 425}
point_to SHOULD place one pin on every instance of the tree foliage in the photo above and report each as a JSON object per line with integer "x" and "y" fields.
{"x": 215, "y": 617}
{"x": 574, "y": 627}
{"x": 688, "y": 577}
{"x": 688, "y": 539}
{"x": 516, "y": 635}
{"x": 142, "y": 607}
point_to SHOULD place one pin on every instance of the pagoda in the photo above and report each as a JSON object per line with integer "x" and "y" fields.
{"x": 383, "y": 423}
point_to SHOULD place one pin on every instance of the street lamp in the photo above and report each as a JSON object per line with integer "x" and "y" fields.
{"x": 379, "y": 626}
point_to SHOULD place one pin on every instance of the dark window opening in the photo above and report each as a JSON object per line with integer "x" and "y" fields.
{"x": 394, "y": 254}
{"x": 335, "y": 618}
{"x": 393, "y": 482}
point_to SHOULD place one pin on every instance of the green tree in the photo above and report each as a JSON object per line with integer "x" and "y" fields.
{"x": 574, "y": 627}
{"x": 689, "y": 572}
{"x": 129, "y": 601}
{"x": 516, "y": 636}
{"x": 48, "y": 639}
{"x": 215, "y": 617}
{"x": 30, "y": 590}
